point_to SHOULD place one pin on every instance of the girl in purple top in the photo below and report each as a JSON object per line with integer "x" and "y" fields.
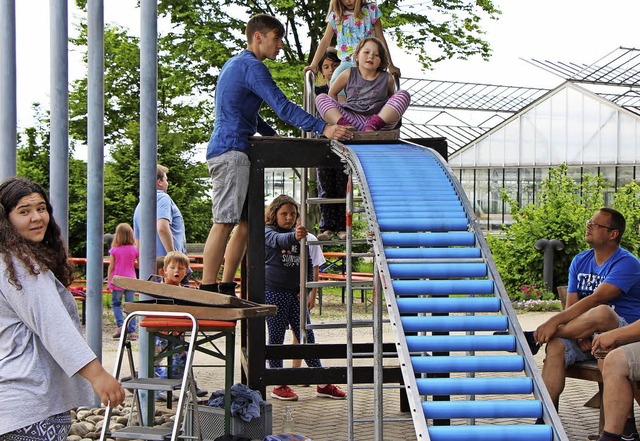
{"x": 123, "y": 261}
{"x": 371, "y": 104}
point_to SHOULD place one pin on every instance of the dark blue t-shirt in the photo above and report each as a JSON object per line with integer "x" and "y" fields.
{"x": 621, "y": 270}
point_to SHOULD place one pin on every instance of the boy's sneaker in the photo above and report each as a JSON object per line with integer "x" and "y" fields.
{"x": 330, "y": 391}
{"x": 325, "y": 235}
{"x": 284, "y": 393}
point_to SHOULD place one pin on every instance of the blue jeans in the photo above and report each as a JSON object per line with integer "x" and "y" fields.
{"x": 116, "y": 304}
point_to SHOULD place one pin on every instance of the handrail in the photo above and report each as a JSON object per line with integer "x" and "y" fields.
{"x": 308, "y": 98}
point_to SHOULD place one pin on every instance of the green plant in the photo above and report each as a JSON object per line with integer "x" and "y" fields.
{"x": 560, "y": 212}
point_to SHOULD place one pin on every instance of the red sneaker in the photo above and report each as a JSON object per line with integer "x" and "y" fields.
{"x": 284, "y": 393}
{"x": 330, "y": 391}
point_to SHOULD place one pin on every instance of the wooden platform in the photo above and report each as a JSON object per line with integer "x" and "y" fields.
{"x": 203, "y": 305}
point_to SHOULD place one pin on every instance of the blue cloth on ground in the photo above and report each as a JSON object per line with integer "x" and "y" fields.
{"x": 287, "y": 437}
{"x": 245, "y": 402}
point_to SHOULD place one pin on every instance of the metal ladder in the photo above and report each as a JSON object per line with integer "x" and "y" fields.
{"x": 185, "y": 385}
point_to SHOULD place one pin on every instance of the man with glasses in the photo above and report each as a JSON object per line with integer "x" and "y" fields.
{"x": 603, "y": 294}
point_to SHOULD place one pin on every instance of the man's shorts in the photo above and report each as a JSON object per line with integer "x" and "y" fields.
{"x": 230, "y": 178}
{"x": 632, "y": 353}
{"x": 573, "y": 353}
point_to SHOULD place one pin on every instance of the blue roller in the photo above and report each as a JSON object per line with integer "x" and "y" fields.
{"x": 475, "y": 386}
{"x": 428, "y": 239}
{"x": 423, "y": 205}
{"x": 437, "y": 270}
{"x": 442, "y": 287}
{"x": 467, "y": 363}
{"x": 456, "y": 343}
{"x": 455, "y": 304}
{"x": 432, "y": 198}
{"x": 482, "y": 409}
{"x": 443, "y": 224}
{"x": 454, "y": 323}
{"x": 432, "y": 253}
{"x": 390, "y": 215}
{"x": 539, "y": 432}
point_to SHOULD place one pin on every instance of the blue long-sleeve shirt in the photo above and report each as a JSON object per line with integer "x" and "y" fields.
{"x": 243, "y": 85}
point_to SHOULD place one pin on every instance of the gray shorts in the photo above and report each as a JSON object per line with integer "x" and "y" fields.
{"x": 632, "y": 353}
{"x": 573, "y": 353}
{"x": 230, "y": 178}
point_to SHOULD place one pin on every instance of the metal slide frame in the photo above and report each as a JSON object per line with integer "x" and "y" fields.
{"x": 539, "y": 391}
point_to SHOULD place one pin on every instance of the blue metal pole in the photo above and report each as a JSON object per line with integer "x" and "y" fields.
{"x": 95, "y": 175}
{"x": 59, "y": 142}
{"x": 8, "y": 102}
{"x": 148, "y": 161}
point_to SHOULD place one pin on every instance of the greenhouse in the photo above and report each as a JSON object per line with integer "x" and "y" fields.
{"x": 591, "y": 122}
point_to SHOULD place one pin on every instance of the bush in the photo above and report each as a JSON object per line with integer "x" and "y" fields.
{"x": 560, "y": 212}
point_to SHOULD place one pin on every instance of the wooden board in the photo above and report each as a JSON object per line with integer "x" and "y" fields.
{"x": 201, "y": 312}
{"x": 380, "y": 135}
{"x": 193, "y": 296}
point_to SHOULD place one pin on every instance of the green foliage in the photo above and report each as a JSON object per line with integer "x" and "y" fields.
{"x": 627, "y": 202}
{"x": 560, "y": 212}
{"x": 204, "y": 34}
{"x": 33, "y": 163}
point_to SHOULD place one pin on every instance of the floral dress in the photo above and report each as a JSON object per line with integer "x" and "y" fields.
{"x": 350, "y": 31}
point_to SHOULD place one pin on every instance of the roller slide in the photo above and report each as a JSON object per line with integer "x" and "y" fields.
{"x": 445, "y": 301}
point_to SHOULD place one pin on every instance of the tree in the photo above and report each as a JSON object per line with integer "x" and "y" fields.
{"x": 183, "y": 123}
{"x": 33, "y": 163}
{"x": 207, "y": 32}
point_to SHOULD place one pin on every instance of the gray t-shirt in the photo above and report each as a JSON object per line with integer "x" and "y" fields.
{"x": 41, "y": 350}
{"x": 366, "y": 97}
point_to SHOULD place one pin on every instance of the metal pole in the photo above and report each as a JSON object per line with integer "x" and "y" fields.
{"x": 8, "y": 101}
{"x": 349, "y": 300}
{"x": 59, "y": 85}
{"x": 304, "y": 257}
{"x": 378, "y": 379}
{"x": 95, "y": 175}
{"x": 148, "y": 161}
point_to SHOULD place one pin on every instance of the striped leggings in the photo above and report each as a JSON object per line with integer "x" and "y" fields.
{"x": 399, "y": 101}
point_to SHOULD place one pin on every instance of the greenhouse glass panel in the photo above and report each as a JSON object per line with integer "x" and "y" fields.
{"x": 511, "y": 141}
{"x": 541, "y": 173}
{"x": 558, "y": 128}
{"x": 609, "y": 176}
{"x": 527, "y": 186}
{"x": 628, "y": 144}
{"x": 482, "y": 197}
{"x": 574, "y": 124}
{"x": 591, "y": 135}
{"x": 624, "y": 176}
{"x": 527, "y": 138}
{"x": 543, "y": 132}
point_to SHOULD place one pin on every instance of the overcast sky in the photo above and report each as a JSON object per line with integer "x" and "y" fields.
{"x": 558, "y": 30}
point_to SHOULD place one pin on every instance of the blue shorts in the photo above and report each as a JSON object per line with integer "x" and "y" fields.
{"x": 573, "y": 353}
{"x": 230, "y": 178}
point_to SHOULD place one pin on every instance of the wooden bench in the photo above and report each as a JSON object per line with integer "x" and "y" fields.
{"x": 589, "y": 371}
{"x": 355, "y": 276}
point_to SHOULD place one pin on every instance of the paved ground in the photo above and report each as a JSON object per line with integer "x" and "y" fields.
{"x": 326, "y": 420}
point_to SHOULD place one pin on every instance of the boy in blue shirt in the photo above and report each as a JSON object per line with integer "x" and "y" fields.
{"x": 243, "y": 85}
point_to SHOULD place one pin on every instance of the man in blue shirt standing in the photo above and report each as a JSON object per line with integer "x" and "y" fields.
{"x": 243, "y": 85}
{"x": 603, "y": 294}
{"x": 170, "y": 234}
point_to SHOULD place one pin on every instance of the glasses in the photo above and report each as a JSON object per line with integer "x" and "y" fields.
{"x": 593, "y": 224}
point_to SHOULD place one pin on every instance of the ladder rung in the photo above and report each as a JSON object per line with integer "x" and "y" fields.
{"x": 137, "y": 432}
{"x": 165, "y": 384}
